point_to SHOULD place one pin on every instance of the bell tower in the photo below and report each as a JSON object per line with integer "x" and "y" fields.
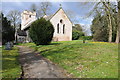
{"x": 27, "y": 17}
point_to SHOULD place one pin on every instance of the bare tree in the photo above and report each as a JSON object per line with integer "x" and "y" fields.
{"x": 33, "y": 7}
{"x": 42, "y": 9}
{"x": 118, "y": 28}
{"x": 14, "y": 17}
{"x": 71, "y": 14}
{"x": 45, "y": 7}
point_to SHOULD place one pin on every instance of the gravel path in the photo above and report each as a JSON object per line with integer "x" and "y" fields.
{"x": 35, "y": 66}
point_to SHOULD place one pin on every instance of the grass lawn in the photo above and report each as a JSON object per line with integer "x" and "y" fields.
{"x": 10, "y": 65}
{"x": 83, "y": 60}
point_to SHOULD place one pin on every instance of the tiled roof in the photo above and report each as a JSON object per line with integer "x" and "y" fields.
{"x": 21, "y": 33}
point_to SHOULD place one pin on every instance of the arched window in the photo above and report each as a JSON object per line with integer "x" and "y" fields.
{"x": 58, "y": 28}
{"x": 61, "y": 21}
{"x": 63, "y": 28}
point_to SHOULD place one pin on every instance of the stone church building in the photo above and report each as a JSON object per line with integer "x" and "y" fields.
{"x": 60, "y": 21}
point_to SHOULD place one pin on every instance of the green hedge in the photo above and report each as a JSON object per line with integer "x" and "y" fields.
{"x": 77, "y": 34}
{"x": 41, "y": 32}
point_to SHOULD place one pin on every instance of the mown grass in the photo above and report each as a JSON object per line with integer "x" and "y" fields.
{"x": 83, "y": 60}
{"x": 10, "y": 65}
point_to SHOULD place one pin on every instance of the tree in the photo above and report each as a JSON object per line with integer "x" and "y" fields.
{"x": 7, "y": 30}
{"x": 45, "y": 8}
{"x": 77, "y": 32}
{"x": 118, "y": 28}
{"x": 99, "y": 28}
{"x": 75, "y": 35}
{"x": 106, "y": 8}
{"x": 41, "y": 32}
{"x": 14, "y": 17}
{"x": 42, "y": 9}
{"x": 72, "y": 15}
{"x": 0, "y": 27}
{"x": 77, "y": 27}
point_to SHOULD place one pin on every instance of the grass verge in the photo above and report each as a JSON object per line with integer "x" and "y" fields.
{"x": 10, "y": 65}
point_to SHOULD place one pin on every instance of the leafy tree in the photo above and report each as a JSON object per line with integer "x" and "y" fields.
{"x": 77, "y": 27}
{"x": 104, "y": 24}
{"x": 75, "y": 35}
{"x": 106, "y": 8}
{"x": 77, "y": 32}
{"x": 41, "y": 32}
{"x": 99, "y": 28}
{"x": 7, "y": 30}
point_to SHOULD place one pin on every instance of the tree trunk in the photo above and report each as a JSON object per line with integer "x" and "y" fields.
{"x": 118, "y": 28}
{"x": 107, "y": 10}
{"x": 110, "y": 28}
{"x": 117, "y": 36}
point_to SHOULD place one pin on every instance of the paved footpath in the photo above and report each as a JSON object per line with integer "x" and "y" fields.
{"x": 35, "y": 66}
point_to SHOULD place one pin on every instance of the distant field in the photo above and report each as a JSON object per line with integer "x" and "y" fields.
{"x": 83, "y": 60}
{"x": 10, "y": 66}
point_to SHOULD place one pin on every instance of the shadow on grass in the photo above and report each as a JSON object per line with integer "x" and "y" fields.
{"x": 30, "y": 58}
{"x": 55, "y": 43}
{"x": 51, "y": 44}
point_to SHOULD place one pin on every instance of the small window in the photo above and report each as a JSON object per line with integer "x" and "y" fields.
{"x": 58, "y": 28}
{"x": 30, "y": 16}
{"x": 61, "y": 21}
{"x": 63, "y": 28}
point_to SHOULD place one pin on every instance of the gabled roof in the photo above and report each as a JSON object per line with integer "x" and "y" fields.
{"x": 64, "y": 12}
{"x": 51, "y": 16}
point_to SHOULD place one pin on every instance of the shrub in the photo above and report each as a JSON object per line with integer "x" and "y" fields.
{"x": 41, "y": 32}
{"x": 76, "y": 34}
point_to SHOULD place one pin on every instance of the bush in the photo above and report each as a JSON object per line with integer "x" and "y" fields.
{"x": 76, "y": 34}
{"x": 41, "y": 32}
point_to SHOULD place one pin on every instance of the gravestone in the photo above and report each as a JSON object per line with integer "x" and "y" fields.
{"x": 11, "y": 44}
{"x": 8, "y": 46}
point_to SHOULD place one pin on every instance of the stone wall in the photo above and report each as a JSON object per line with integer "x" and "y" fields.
{"x": 67, "y": 35}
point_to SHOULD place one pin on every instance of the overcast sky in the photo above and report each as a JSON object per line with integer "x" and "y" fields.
{"x": 78, "y": 10}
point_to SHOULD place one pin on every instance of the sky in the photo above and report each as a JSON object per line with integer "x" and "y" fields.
{"x": 77, "y": 10}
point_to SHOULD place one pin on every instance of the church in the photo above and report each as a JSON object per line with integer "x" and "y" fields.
{"x": 60, "y": 21}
